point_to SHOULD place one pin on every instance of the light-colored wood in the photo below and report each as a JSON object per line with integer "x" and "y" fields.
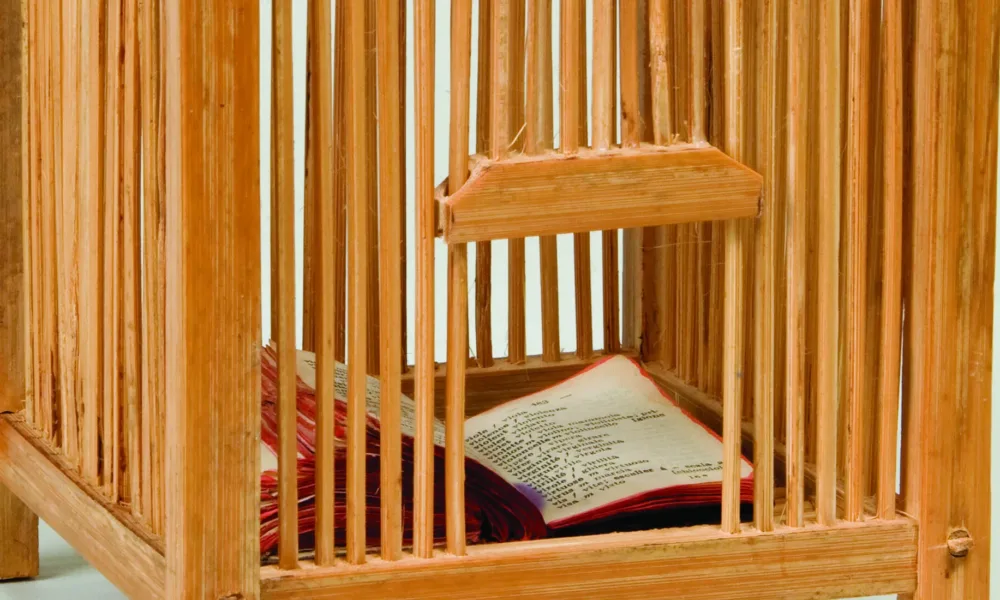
{"x": 13, "y": 175}
{"x": 828, "y": 259}
{"x": 858, "y": 144}
{"x": 516, "y": 331}
{"x": 48, "y": 353}
{"x": 30, "y": 200}
{"x": 764, "y": 318}
{"x": 357, "y": 279}
{"x": 660, "y": 41}
{"x": 18, "y": 538}
{"x": 797, "y": 261}
{"x": 845, "y": 561}
{"x": 949, "y": 298}
{"x": 104, "y": 534}
{"x": 148, "y": 320}
{"x": 548, "y": 195}
{"x": 716, "y": 252}
{"x": 426, "y": 211}
{"x": 283, "y": 186}
{"x": 700, "y": 248}
{"x": 391, "y": 204}
{"x": 892, "y": 198}
{"x": 371, "y": 172}
{"x": 604, "y": 136}
{"x": 320, "y": 167}
{"x": 484, "y": 119}
{"x": 539, "y": 138}
{"x": 340, "y": 149}
{"x": 733, "y": 310}
{"x": 213, "y": 313}
{"x": 458, "y": 296}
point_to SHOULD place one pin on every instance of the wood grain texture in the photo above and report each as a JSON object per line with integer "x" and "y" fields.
{"x": 371, "y": 117}
{"x": 391, "y": 204}
{"x": 357, "y": 279}
{"x": 13, "y": 87}
{"x": 848, "y": 560}
{"x": 283, "y": 186}
{"x": 484, "y": 145}
{"x": 892, "y": 198}
{"x": 320, "y": 166}
{"x": 105, "y": 535}
{"x": 18, "y": 538}
{"x": 827, "y": 293}
{"x": 600, "y": 190}
{"x": 426, "y": 213}
{"x": 213, "y": 313}
{"x": 604, "y": 134}
{"x": 516, "y": 330}
{"x": 949, "y": 297}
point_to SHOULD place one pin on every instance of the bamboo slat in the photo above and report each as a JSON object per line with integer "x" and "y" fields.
{"x": 458, "y": 310}
{"x": 320, "y": 166}
{"x": 30, "y": 197}
{"x": 892, "y": 191}
{"x": 340, "y": 151}
{"x": 284, "y": 252}
{"x": 141, "y": 139}
{"x": 734, "y": 278}
{"x": 391, "y": 204}
{"x": 484, "y": 130}
{"x": 371, "y": 131}
{"x": 700, "y": 231}
{"x": 795, "y": 233}
{"x": 516, "y": 121}
{"x": 357, "y": 274}
{"x": 48, "y": 371}
{"x": 859, "y": 64}
{"x": 828, "y": 257}
{"x": 538, "y": 136}
{"x": 423, "y": 484}
{"x": 717, "y": 246}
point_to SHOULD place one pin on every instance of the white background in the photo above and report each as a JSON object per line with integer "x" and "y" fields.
{"x": 65, "y": 574}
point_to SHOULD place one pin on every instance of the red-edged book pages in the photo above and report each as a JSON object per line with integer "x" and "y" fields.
{"x": 605, "y": 448}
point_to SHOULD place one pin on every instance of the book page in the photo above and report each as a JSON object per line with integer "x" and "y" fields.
{"x": 602, "y": 436}
{"x": 373, "y": 405}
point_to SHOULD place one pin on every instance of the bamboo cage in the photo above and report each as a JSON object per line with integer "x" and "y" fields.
{"x": 801, "y": 195}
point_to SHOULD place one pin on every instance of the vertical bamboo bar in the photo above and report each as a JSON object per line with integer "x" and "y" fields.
{"x": 357, "y": 275}
{"x": 764, "y": 319}
{"x": 284, "y": 252}
{"x": 111, "y": 267}
{"x": 142, "y": 139}
{"x": 892, "y": 123}
{"x": 30, "y": 99}
{"x": 149, "y": 264}
{"x": 213, "y": 312}
{"x": 320, "y": 109}
{"x": 733, "y": 309}
{"x": 67, "y": 203}
{"x": 401, "y": 155}
{"x": 48, "y": 376}
{"x": 516, "y": 123}
{"x": 571, "y": 107}
{"x": 795, "y": 233}
{"x": 827, "y": 292}
{"x": 701, "y": 231}
{"x": 340, "y": 150}
{"x": 371, "y": 129}
{"x": 423, "y": 462}
{"x": 391, "y": 204}
{"x": 604, "y": 133}
{"x": 90, "y": 243}
{"x": 458, "y": 309}
{"x": 857, "y": 176}
{"x": 538, "y": 139}
{"x": 717, "y": 247}
{"x": 484, "y": 146}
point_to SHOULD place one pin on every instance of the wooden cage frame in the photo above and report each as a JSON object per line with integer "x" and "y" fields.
{"x": 872, "y": 125}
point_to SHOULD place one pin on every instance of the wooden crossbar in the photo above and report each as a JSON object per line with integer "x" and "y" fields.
{"x": 598, "y": 190}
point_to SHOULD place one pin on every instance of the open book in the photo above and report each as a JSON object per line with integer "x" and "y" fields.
{"x": 604, "y": 446}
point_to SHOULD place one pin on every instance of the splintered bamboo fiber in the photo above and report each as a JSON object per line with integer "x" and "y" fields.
{"x": 358, "y": 208}
{"x": 458, "y": 310}
{"x": 485, "y": 100}
{"x": 604, "y": 132}
{"x": 423, "y": 484}
{"x": 572, "y": 112}
{"x": 732, "y": 393}
{"x": 859, "y": 65}
{"x": 891, "y": 260}
{"x": 320, "y": 169}
{"x": 828, "y": 257}
{"x": 795, "y": 233}
{"x": 391, "y": 204}
{"x": 538, "y": 135}
{"x": 283, "y": 187}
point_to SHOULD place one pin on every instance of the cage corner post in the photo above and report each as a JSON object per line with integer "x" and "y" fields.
{"x": 18, "y": 525}
{"x": 213, "y": 322}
